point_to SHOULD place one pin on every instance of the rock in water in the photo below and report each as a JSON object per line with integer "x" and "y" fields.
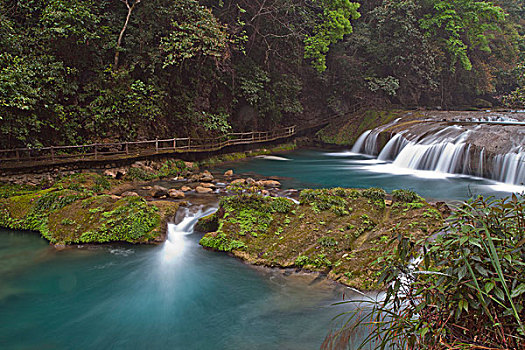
{"x": 207, "y": 185}
{"x": 203, "y": 190}
{"x": 176, "y": 194}
{"x": 228, "y": 173}
{"x": 270, "y": 183}
{"x": 158, "y": 191}
{"x": 185, "y": 188}
{"x": 238, "y": 182}
{"x": 206, "y": 176}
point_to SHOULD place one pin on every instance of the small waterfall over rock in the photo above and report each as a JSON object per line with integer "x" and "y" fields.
{"x": 473, "y": 147}
{"x": 175, "y": 244}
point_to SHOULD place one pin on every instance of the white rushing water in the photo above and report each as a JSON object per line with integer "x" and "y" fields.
{"x": 446, "y": 151}
{"x": 175, "y": 245}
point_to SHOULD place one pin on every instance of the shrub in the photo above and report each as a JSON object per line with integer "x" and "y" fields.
{"x": 327, "y": 242}
{"x": 302, "y": 261}
{"x": 406, "y": 196}
{"x": 281, "y": 205}
{"x": 471, "y": 293}
{"x": 374, "y": 193}
{"x": 221, "y": 242}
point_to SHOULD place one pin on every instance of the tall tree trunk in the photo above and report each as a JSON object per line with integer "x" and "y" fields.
{"x": 121, "y": 36}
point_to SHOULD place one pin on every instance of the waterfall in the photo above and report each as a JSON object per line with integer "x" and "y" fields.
{"x": 445, "y": 150}
{"x": 358, "y": 146}
{"x": 175, "y": 245}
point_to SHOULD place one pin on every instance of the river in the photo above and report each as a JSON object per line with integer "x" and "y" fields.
{"x": 178, "y": 295}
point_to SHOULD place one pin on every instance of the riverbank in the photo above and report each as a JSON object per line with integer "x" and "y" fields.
{"x": 127, "y": 204}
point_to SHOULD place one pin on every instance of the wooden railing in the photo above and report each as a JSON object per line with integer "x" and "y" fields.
{"x": 98, "y": 151}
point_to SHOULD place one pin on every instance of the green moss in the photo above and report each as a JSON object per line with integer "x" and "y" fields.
{"x": 221, "y": 243}
{"x": 231, "y": 157}
{"x": 406, "y": 196}
{"x": 347, "y": 129}
{"x": 313, "y": 234}
{"x": 66, "y": 216}
{"x": 10, "y": 190}
{"x": 208, "y": 223}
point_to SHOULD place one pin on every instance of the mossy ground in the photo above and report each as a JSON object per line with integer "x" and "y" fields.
{"x": 75, "y": 210}
{"x": 345, "y": 131}
{"x": 341, "y": 232}
{"x": 230, "y": 157}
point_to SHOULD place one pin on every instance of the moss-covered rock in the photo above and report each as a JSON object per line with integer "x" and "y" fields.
{"x": 346, "y": 130}
{"x": 73, "y": 211}
{"x": 341, "y": 232}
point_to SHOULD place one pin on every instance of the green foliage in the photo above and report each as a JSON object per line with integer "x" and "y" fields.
{"x": 281, "y": 205}
{"x": 131, "y": 221}
{"x": 374, "y": 193}
{"x": 140, "y": 174}
{"x": 327, "y": 242}
{"x": 253, "y": 212}
{"x": 8, "y": 190}
{"x": 302, "y": 261}
{"x": 516, "y": 98}
{"x": 333, "y": 25}
{"x": 470, "y": 279}
{"x": 221, "y": 243}
{"x": 463, "y": 25}
{"x": 195, "y": 33}
{"x": 406, "y": 196}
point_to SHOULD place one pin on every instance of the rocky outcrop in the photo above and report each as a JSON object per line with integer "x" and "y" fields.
{"x": 341, "y": 232}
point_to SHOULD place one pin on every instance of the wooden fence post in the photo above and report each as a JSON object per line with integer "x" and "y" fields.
{"x": 189, "y": 143}
{"x": 52, "y": 154}
{"x": 174, "y": 144}
{"x": 156, "y": 145}
{"x": 127, "y": 148}
{"x": 96, "y": 152}
{"x": 17, "y": 155}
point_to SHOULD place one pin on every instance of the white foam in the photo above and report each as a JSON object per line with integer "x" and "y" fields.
{"x": 273, "y": 158}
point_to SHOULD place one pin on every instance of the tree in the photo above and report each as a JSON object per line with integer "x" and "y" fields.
{"x": 130, "y": 5}
{"x": 332, "y": 25}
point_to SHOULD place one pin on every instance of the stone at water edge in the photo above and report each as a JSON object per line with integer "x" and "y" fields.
{"x": 228, "y": 173}
{"x": 110, "y": 173}
{"x": 270, "y": 183}
{"x": 250, "y": 181}
{"x": 206, "y": 176}
{"x": 158, "y": 191}
{"x": 185, "y": 188}
{"x": 176, "y": 194}
{"x": 147, "y": 188}
{"x": 130, "y": 194}
{"x": 238, "y": 182}
{"x": 207, "y": 185}
{"x": 203, "y": 190}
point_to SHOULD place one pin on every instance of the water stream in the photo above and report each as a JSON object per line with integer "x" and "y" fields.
{"x": 180, "y": 296}
{"x": 174, "y": 296}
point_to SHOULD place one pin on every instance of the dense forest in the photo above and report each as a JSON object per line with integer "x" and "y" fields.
{"x": 83, "y": 70}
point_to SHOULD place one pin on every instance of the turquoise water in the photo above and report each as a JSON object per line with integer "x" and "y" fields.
{"x": 127, "y": 297}
{"x": 317, "y": 168}
{"x": 178, "y": 295}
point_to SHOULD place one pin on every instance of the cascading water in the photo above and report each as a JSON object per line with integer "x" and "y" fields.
{"x": 175, "y": 244}
{"x": 448, "y": 150}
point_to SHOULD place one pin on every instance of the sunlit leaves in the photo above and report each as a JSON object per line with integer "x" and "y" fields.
{"x": 333, "y": 24}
